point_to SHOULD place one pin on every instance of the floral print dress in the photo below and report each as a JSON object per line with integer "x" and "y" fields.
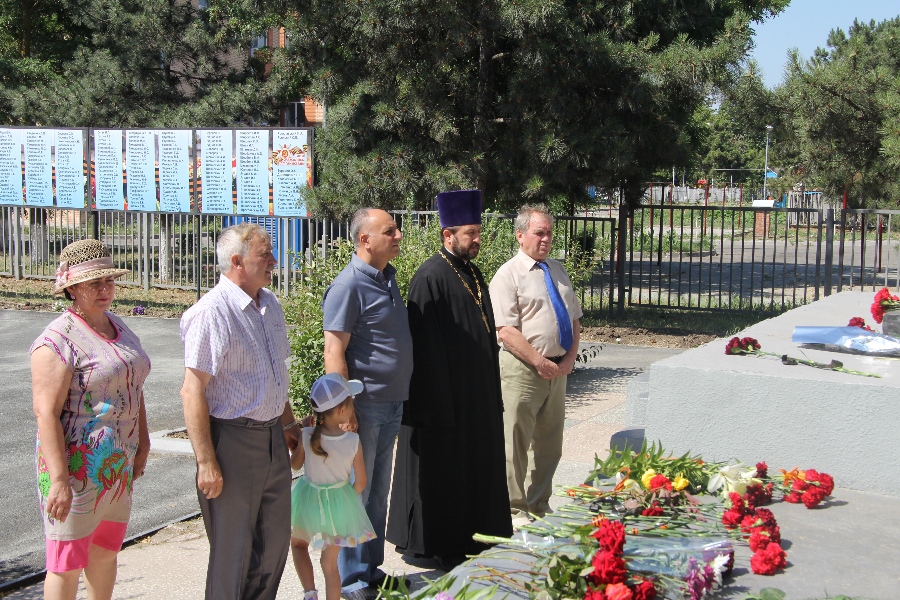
{"x": 100, "y": 421}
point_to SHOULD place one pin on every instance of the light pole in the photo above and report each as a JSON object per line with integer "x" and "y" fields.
{"x": 766, "y": 170}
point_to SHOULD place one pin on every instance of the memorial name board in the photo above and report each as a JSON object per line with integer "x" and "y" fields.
{"x": 38, "y": 167}
{"x": 70, "y": 178}
{"x": 11, "y": 166}
{"x": 254, "y": 172}
{"x": 108, "y": 169}
{"x": 214, "y": 166}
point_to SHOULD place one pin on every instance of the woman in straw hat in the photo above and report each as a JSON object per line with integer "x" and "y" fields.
{"x": 88, "y": 371}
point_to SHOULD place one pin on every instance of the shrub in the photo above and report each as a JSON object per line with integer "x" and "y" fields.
{"x": 421, "y": 239}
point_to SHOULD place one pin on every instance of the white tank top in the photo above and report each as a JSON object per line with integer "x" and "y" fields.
{"x": 341, "y": 451}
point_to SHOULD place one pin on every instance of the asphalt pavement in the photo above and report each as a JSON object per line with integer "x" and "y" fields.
{"x": 595, "y": 409}
{"x": 166, "y": 492}
{"x": 846, "y": 546}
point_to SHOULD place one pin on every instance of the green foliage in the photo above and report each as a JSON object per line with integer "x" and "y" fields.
{"x": 303, "y": 313}
{"x": 766, "y": 594}
{"x": 840, "y": 114}
{"x": 672, "y": 241}
{"x": 116, "y": 63}
{"x": 425, "y": 97}
{"x": 733, "y": 136}
{"x": 421, "y": 239}
{"x": 635, "y": 464}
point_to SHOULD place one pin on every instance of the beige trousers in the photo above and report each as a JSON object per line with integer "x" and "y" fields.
{"x": 533, "y": 419}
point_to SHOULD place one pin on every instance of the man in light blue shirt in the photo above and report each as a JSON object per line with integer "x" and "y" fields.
{"x": 367, "y": 338}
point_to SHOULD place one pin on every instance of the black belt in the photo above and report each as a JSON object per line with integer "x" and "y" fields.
{"x": 248, "y": 423}
{"x": 555, "y": 359}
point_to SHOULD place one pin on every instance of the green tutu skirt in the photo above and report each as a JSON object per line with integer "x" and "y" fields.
{"x": 328, "y": 515}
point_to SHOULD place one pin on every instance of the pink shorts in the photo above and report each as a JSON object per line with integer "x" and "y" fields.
{"x": 68, "y": 555}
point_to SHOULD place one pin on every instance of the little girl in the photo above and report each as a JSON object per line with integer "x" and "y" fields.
{"x": 325, "y": 508}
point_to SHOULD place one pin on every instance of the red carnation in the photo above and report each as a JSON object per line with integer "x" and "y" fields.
{"x": 763, "y": 536}
{"x": 877, "y": 312}
{"x": 737, "y": 503}
{"x": 884, "y": 300}
{"x": 757, "y": 495}
{"x": 859, "y": 322}
{"x": 734, "y": 346}
{"x": 759, "y": 540}
{"x": 823, "y": 480}
{"x": 644, "y": 590}
{"x": 794, "y": 498}
{"x": 660, "y": 482}
{"x": 732, "y": 518}
{"x": 608, "y": 568}
{"x": 594, "y": 595}
{"x": 619, "y": 591}
{"x": 611, "y": 535}
{"x": 766, "y": 517}
{"x": 813, "y": 496}
{"x": 762, "y": 470}
{"x": 799, "y": 485}
{"x": 768, "y": 560}
{"x": 654, "y": 510}
{"x": 750, "y": 344}
{"x": 761, "y": 517}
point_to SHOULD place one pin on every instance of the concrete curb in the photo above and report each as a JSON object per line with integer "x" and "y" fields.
{"x": 160, "y": 443}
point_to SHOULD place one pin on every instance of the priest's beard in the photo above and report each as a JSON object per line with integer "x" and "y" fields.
{"x": 464, "y": 252}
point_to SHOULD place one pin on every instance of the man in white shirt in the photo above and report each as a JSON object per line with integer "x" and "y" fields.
{"x": 239, "y": 420}
{"x": 538, "y": 322}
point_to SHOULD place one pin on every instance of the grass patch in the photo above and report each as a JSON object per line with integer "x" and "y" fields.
{"x": 680, "y": 322}
{"x": 37, "y": 294}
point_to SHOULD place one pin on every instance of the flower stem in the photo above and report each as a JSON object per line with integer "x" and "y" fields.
{"x": 834, "y": 365}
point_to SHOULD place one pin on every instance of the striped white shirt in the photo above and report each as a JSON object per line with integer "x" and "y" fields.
{"x": 245, "y": 349}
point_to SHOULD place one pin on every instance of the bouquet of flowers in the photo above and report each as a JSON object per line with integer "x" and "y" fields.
{"x": 751, "y": 346}
{"x": 635, "y": 531}
{"x": 884, "y": 301}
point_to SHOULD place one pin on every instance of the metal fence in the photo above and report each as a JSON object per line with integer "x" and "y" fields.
{"x": 734, "y": 258}
{"x": 664, "y": 255}
{"x": 160, "y": 250}
{"x": 163, "y": 250}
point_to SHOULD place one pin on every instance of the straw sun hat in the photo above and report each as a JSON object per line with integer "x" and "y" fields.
{"x": 82, "y": 261}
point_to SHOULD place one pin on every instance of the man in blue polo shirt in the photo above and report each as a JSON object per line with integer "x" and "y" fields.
{"x": 367, "y": 338}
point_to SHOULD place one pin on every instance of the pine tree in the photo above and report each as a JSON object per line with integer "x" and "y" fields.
{"x": 842, "y": 114}
{"x": 123, "y": 63}
{"x": 529, "y": 100}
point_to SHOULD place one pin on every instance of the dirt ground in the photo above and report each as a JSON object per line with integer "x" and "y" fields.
{"x": 35, "y": 294}
{"x": 641, "y": 336}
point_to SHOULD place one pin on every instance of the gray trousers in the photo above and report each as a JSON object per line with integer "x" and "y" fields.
{"x": 249, "y": 523}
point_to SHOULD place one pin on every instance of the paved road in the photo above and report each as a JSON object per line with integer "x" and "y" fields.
{"x": 164, "y": 494}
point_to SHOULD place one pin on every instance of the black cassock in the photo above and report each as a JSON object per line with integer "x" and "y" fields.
{"x": 450, "y": 473}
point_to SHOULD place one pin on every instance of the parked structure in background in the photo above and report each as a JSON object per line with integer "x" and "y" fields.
{"x": 302, "y": 112}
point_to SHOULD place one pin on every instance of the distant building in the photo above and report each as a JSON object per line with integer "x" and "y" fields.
{"x": 304, "y": 112}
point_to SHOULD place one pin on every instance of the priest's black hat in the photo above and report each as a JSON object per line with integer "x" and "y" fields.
{"x": 461, "y": 207}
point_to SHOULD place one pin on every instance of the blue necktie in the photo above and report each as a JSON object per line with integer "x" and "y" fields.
{"x": 563, "y": 322}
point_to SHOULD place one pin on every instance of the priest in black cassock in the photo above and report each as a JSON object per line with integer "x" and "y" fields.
{"x": 450, "y": 472}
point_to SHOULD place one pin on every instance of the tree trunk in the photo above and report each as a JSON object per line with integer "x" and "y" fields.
{"x": 483, "y": 97}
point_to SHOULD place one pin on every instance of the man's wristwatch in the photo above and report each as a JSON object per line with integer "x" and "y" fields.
{"x": 290, "y": 425}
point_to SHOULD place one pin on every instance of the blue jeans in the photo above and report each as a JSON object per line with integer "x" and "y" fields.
{"x": 379, "y": 424}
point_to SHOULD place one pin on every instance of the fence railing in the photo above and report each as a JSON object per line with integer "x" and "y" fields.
{"x": 164, "y": 250}
{"x": 722, "y": 258}
{"x": 735, "y": 258}
{"x": 663, "y": 255}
